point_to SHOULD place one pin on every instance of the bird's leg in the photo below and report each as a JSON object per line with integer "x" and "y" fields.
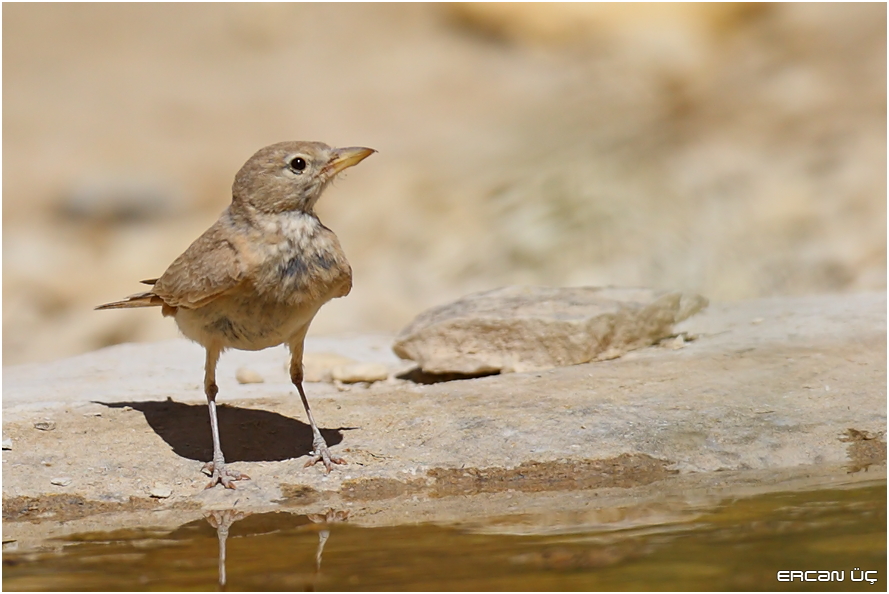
{"x": 320, "y": 451}
{"x": 217, "y": 470}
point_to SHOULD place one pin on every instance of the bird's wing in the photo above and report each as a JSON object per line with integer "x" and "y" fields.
{"x": 211, "y": 266}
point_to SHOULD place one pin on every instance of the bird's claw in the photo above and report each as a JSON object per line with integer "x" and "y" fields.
{"x": 221, "y": 474}
{"x": 322, "y": 454}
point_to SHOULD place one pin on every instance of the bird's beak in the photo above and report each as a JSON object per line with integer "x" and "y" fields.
{"x": 346, "y": 157}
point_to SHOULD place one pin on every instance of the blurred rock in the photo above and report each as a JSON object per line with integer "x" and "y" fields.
{"x": 318, "y": 367}
{"x": 674, "y": 32}
{"x": 118, "y": 199}
{"x": 532, "y": 328}
{"x": 245, "y": 375}
{"x": 360, "y": 372}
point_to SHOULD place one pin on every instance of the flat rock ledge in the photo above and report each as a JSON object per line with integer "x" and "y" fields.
{"x": 772, "y": 394}
{"x": 518, "y": 329}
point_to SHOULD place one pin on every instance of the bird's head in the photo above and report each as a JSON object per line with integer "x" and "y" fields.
{"x": 291, "y": 175}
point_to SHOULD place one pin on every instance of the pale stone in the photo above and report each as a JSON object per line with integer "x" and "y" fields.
{"x": 61, "y": 481}
{"x": 360, "y": 372}
{"x": 245, "y": 375}
{"x": 318, "y": 367}
{"x": 160, "y": 491}
{"x": 534, "y": 328}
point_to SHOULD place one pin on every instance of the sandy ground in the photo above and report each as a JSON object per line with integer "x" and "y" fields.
{"x": 736, "y": 151}
{"x": 771, "y": 394}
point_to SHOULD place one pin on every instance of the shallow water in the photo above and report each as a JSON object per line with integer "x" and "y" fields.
{"x": 740, "y": 545}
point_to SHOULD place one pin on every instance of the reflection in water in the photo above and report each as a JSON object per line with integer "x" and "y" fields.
{"x": 744, "y": 544}
{"x": 330, "y": 517}
{"x": 222, "y": 519}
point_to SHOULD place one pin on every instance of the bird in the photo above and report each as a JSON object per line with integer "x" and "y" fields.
{"x": 256, "y": 278}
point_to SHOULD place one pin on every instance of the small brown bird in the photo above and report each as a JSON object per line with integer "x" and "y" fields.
{"x": 258, "y": 276}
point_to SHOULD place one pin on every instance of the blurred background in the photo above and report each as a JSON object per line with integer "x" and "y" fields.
{"x": 735, "y": 150}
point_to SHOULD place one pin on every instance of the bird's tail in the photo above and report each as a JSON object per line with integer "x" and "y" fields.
{"x": 148, "y": 299}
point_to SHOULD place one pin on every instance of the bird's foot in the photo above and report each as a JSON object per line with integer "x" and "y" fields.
{"x": 322, "y": 454}
{"x": 220, "y": 474}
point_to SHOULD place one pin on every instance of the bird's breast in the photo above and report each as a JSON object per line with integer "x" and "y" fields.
{"x": 303, "y": 262}
{"x": 296, "y": 266}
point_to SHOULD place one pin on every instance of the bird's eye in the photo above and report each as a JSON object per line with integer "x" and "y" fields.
{"x": 298, "y": 164}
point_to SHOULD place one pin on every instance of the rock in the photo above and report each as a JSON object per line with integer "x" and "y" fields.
{"x": 676, "y": 343}
{"x": 558, "y": 24}
{"x": 248, "y": 376}
{"x": 318, "y": 367}
{"x": 360, "y": 372}
{"x": 738, "y": 406}
{"x": 61, "y": 481}
{"x": 160, "y": 491}
{"x": 113, "y": 198}
{"x": 7, "y": 443}
{"x": 45, "y": 425}
{"x": 533, "y": 328}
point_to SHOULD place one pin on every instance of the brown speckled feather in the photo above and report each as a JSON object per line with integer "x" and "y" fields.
{"x": 209, "y": 268}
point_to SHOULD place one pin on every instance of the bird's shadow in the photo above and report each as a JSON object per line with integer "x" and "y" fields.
{"x": 246, "y": 434}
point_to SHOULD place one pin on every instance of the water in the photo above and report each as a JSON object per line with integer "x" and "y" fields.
{"x": 740, "y": 545}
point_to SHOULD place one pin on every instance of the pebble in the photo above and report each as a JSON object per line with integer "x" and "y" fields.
{"x": 45, "y": 425}
{"x": 7, "y": 443}
{"x": 360, "y": 372}
{"x": 317, "y": 367}
{"x": 61, "y": 481}
{"x": 160, "y": 491}
{"x": 248, "y": 376}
